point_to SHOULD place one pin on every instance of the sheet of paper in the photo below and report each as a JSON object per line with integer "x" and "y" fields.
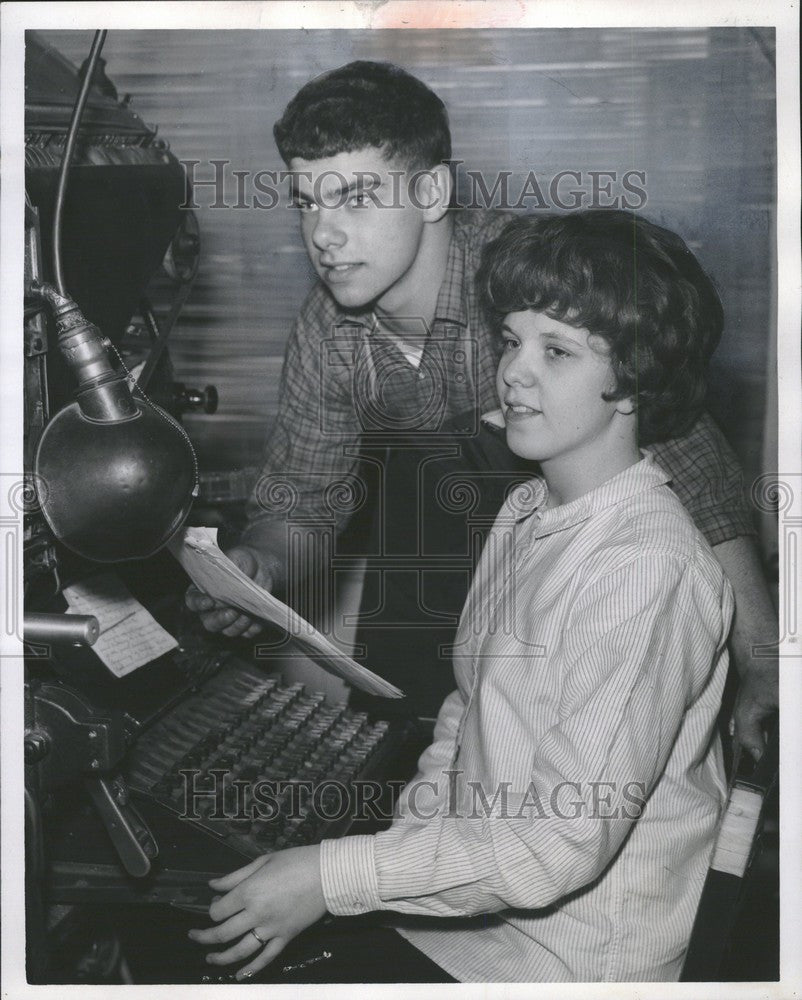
{"x": 214, "y": 573}
{"x": 129, "y": 635}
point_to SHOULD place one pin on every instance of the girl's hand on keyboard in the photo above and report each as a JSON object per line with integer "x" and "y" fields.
{"x": 265, "y": 904}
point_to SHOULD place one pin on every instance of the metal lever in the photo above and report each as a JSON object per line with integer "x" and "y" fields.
{"x": 76, "y": 630}
{"x": 88, "y": 882}
{"x": 130, "y": 835}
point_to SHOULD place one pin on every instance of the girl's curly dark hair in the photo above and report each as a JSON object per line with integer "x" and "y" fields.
{"x": 624, "y": 279}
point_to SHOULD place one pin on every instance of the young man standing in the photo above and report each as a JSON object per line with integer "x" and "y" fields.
{"x": 392, "y": 340}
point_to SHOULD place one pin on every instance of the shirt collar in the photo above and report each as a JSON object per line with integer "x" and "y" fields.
{"x": 451, "y": 305}
{"x": 365, "y": 318}
{"x": 530, "y": 498}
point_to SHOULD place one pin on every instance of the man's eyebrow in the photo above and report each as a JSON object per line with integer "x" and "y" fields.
{"x": 367, "y": 181}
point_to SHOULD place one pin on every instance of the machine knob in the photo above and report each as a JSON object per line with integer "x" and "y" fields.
{"x": 186, "y": 399}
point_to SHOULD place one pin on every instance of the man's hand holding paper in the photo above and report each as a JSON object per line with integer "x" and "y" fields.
{"x": 218, "y": 616}
{"x": 218, "y": 577}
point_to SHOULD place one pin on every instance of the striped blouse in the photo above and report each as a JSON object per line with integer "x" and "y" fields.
{"x": 561, "y": 823}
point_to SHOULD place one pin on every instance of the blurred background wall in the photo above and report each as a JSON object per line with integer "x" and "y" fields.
{"x": 692, "y": 109}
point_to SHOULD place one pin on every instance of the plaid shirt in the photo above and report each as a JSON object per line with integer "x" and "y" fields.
{"x": 345, "y": 383}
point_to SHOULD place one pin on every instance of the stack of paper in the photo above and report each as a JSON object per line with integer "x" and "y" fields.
{"x": 216, "y": 575}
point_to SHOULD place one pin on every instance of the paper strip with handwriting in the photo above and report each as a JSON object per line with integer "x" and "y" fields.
{"x": 129, "y": 635}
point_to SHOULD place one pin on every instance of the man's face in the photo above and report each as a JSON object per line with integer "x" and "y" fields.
{"x": 360, "y": 228}
{"x": 550, "y": 382}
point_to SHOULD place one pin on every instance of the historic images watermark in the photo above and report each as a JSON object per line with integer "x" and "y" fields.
{"x": 218, "y": 795}
{"x": 19, "y": 498}
{"x": 225, "y": 187}
{"x": 363, "y": 366}
{"x": 782, "y": 495}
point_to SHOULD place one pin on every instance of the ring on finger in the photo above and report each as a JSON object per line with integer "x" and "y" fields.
{"x": 261, "y": 942}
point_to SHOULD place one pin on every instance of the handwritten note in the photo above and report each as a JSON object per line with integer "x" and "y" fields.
{"x": 214, "y": 573}
{"x": 129, "y": 635}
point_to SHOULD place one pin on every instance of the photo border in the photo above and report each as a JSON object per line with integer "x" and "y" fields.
{"x": 411, "y": 15}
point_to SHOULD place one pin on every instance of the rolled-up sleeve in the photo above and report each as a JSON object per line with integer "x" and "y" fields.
{"x": 708, "y": 479}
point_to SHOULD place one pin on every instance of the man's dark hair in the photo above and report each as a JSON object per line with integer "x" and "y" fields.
{"x": 366, "y": 104}
{"x": 628, "y": 281}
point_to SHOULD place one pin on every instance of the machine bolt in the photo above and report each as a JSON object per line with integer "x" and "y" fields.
{"x": 37, "y": 746}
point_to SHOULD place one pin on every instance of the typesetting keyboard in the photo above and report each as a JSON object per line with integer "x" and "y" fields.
{"x": 241, "y": 728}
